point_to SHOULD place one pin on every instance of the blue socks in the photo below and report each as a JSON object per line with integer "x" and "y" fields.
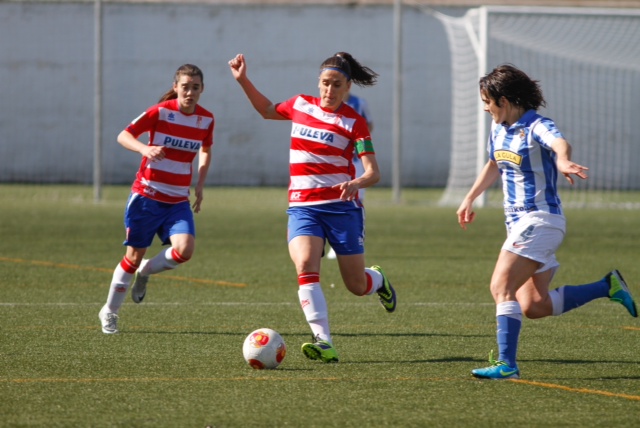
{"x": 569, "y": 297}
{"x": 509, "y": 320}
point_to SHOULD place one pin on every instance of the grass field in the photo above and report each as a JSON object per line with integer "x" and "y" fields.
{"x": 177, "y": 361}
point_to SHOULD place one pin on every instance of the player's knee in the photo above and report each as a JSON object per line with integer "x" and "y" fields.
{"x": 182, "y": 256}
{"x": 534, "y": 311}
{"x": 357, "y": 288}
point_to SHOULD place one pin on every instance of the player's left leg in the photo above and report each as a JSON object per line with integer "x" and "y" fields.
{"x": 363, "y": 281}
{"x": 181, "y": 250}
{"x": 534, "y": 297}
{"x": 612, "y": 285}
{"x": 538, "y": 302}
{"x": 345, "y": 233}
{"x": 178, "y": 229}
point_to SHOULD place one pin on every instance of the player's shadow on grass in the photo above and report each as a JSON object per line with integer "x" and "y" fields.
{"x": 581, "y": 361}
{"x": 409, "y": 335}
{"x": 212, "y": 333}
{"x": 304, "y": 336}
{"x": 432, "y": 360}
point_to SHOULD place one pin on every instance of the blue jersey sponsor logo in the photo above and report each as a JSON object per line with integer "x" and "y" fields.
{"x": 181, "y": 144}
{"x": 313, "y": 134}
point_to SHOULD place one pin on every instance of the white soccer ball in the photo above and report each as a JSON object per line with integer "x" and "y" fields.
{"x": 264, "y": 348}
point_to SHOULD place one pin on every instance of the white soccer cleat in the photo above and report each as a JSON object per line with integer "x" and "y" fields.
{"x": 109, "y": 321}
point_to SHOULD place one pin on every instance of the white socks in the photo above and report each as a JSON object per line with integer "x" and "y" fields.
{"x": 314, "y": 307}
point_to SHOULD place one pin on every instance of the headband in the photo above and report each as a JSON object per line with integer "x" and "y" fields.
{"x": 338, "y": 70}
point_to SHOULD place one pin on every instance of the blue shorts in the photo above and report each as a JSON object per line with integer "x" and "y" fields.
{"x": 341, "y": 224}
{"x": 144, "y": 218}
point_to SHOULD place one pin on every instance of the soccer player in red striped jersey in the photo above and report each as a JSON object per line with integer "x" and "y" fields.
{"x": 323, "y": 192}
{"x": 179, "y": 130}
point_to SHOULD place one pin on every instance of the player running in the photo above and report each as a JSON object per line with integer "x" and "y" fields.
{"x": 323, "y": 189}
{"x": 527, "y": 150}
{"x": 179, "y": 129}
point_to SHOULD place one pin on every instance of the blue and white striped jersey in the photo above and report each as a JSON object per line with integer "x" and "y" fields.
{"x": 527, "y": 165}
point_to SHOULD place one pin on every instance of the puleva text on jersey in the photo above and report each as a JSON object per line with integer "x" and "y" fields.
{"x": 183, "y": 144}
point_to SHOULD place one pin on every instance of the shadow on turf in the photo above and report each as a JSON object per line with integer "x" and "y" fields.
{"x": 305, "y": 335}
{"x": 409, "y": 335}
{"x": 573, "y": 362}
{"x": 433, "y": 360}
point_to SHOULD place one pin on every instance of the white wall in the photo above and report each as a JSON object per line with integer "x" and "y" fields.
{"x": 47, "y": 75}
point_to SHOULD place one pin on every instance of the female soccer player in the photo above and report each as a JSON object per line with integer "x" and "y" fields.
{"x": 179, "y": 129}
{"x": 361, "y": 107}
{"x": 323, "y": 191}
{"x": 527, "y": 150}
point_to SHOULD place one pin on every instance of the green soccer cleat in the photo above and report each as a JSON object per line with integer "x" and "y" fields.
{"x": 386, "y": 294}
{"x": 320, "y": 350}
{"x": 619, "y": 292}
{"x": 496, "y": 371}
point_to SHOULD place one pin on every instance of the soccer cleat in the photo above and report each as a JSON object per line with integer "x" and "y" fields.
{"x": 386, "y": 293}
{"x": 139, "y": 289}
{"x": 619, "y": 292}
{"x": 320, "y": 350}
{"x": 109, "y": 321}
{"x": 496, "y": 371}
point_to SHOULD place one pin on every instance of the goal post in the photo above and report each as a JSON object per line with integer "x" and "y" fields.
{"x": 587, "y": 61}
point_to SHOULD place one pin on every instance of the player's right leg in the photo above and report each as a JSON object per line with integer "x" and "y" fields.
{"x": 120, "y": 282}
{"x": 141, "y": 229}
{"x": 306, "y": 245}
{"x": 322, "y": 350}
{"x": 176, "y": 227}
{"x": 511, "y": 271}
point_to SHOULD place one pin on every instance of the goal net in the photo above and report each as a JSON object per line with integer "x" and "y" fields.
{"x": 588, "y": 64}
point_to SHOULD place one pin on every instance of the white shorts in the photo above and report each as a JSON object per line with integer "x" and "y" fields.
{"x": 537, "y": 236}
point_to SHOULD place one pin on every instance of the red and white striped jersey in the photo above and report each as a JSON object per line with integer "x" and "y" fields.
{"x": 181, "y": 135}
{"x": 322, "y": 148}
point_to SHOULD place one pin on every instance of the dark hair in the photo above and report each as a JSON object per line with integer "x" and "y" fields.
{"x": 513, "y": 84}
{"x": 359, "y": 74}
{"x": 184, "y": 70}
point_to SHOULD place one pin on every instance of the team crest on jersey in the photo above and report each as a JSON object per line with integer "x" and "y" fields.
{"x": 199, "y": 122}
{"x": 171, "y": 117}
{"x": 508, "y": 156}
{"x": 522, "y": 134}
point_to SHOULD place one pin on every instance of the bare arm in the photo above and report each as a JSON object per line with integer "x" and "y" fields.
{"x": 260, "y": 102}
{"x": 128, "y": 141}
{"x": 204, "y": 160}
{"x": 369, "y": 177}
{"x": 487, "y": 177}
{"x": 563, "y": 152}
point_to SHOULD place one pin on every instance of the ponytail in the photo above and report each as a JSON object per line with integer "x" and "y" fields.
{"x": 351, "y": 68}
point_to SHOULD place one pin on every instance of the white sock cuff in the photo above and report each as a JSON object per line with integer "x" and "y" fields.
{"x": 509, "y": 309}
{"x": 376, "y": 279}
{"x": 557, "y": 301}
